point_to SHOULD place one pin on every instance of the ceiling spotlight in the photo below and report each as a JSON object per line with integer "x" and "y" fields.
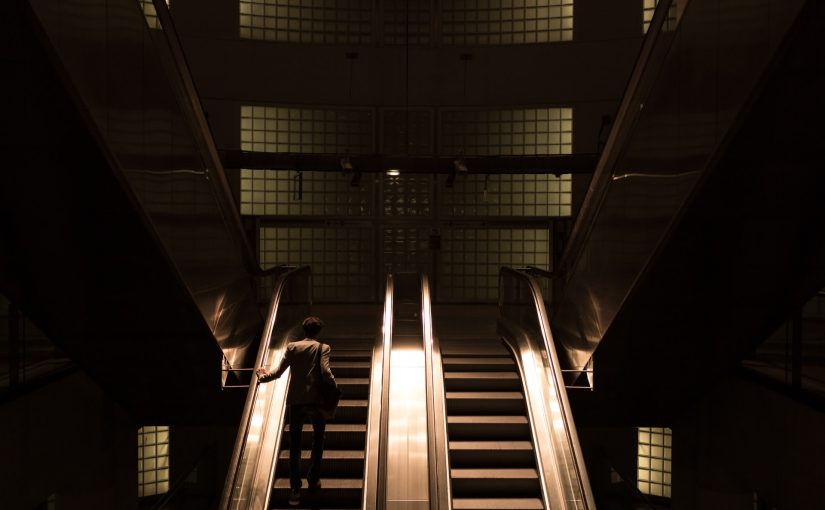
{"x": 393, "y": 172}
{"x": 346, "y": 164}
{"x": 460, "y": 165}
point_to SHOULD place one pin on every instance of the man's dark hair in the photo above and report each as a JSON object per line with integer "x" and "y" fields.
{"x": 312, "y": 326}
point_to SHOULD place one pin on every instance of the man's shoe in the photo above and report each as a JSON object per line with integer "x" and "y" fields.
{"x": 314, "y": 486}
{"x": 294, "y": 497}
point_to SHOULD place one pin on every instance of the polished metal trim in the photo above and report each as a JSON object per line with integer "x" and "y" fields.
{"x": 204, "y": 138}
{"x": 626, "y": 115}
{"x": 553, "y": 427}
{"x": 262, "y": 468}
{"x": 407, "y": 470}
{"x": 374, "y": 459}
{"x": 438, "y": 445}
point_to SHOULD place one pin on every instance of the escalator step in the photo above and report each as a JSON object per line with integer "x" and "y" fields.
{"x": 491, "y": 364}
{"x": 327, "y": 483}
{"x": 497, "y": 504}
{"x": 486, "y": 428}
{"x": 474, "y": 350}
{"x": 494, "y": 402}
{"x": 328, "y": 454}
{"x": 491, "y": 454}
{"x": 495, "y": 482}
{"x": 335, "y": 427}
{"x": 481, "y": 381}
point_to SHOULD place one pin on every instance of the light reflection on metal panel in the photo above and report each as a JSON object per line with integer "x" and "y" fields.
{"x": 523, "y": 323}
{"x": 141, "y": 104}
{"x": 680, "y": 105}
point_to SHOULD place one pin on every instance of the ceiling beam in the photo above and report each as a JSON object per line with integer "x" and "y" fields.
{"x": 562, "y": 164}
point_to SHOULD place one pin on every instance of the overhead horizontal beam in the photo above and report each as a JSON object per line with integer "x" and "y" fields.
{"x": 562, "y": 164}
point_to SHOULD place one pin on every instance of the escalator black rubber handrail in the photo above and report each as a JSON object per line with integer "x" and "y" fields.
{"x": 561, "y": 393}
{"x": 260, "y": 360}
{"x": 438, "y": 444}
{"x": 626, "y": 117}
{"x": 205, "y": 140}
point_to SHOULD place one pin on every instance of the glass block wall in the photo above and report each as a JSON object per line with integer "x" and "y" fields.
{"x": 507, "y": 195}
{"x": 342, "y": 258}
{"x": 522, "y": 132}
{"x": 489, "y": 22}
{"x": 153, "y": 460}
{"x": 275, "y": 193}
{"x": 407, "y": 195}
{"x": 470, "y": 258}
{"x": 306, "y": 130}
{"x": 307, "y": 21}
{"x": 654, "y": 461}
{"x": 352, "y": 235}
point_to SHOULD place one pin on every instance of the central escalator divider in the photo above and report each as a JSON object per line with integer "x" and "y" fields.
{"x": 492, "y": 460}
{"x": 342, "y": 476}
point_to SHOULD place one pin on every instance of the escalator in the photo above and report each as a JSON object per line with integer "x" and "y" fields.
{"x": 346, "y": 435}
{"x": 492, "y": 459}
{"x": 512, "y": 440}
{"x": 258, "y": 475}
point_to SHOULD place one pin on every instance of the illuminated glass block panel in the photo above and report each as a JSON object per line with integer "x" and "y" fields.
{"x": 407, "y": 195}
{"x": 502, "y": 22}
{"x": 153, "y": 460}
{"x": 276, "y": 193}
{"x": 470, "y": 259}
{"x": 521, "y": 132}
{"x": 342, "y": 258}
{"x": 649, "y": 7}
{"x": 307, "y": 21}
{"x": 507, "y": 195}
{"x": 653, "y": 472}
{"x": 306, "y": 130}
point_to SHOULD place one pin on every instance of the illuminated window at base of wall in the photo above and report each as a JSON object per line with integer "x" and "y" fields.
{"x": 153, "y": 460}
{"x": 654, "y": 461}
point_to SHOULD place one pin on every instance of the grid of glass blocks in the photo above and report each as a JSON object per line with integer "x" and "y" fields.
{"x": 153, "y": 460}
{"x": 649, "y": 7}
{"x": 471, "y": 258}
{"x": 306, "y": 130}
{"x": 406, "y": 132}
{"x": 150, "y": 13}
{"x": 406, "y": 248}
{"x": 493, "y": 22}
{"x": 275, "y": 193}
{"x": 653, "y": 472}
{"x": 307, "y": 21}
{"x": 534, "y": 195}
{"x": 404, "y": 21}
{"x": 342, "y": 258}
{"x": 406, "y": 195}
{"x": 523, "y": 132}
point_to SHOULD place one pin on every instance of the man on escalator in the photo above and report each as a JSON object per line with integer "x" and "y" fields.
{"x": 309, "y": 362}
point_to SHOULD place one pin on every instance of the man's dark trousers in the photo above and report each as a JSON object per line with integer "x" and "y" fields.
{"x": 298, "y": 414}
